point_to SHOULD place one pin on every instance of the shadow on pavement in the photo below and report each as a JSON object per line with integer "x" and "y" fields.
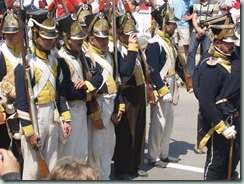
{"x": 178, "y": 148}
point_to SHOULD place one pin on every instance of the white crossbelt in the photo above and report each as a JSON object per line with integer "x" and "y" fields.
{"x": 106, "y": 64}
{"x": 124, "y": 53}
{"x": 13, "y": 60}
{"x": 169, "y": 60}
{"x": 47, "y": 75}
{"x": 75, "y": 62}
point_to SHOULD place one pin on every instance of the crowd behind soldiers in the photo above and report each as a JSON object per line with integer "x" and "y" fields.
{"x": 87, "y": 98}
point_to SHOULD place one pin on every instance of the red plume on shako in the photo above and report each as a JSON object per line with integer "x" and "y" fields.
{"x": 127, "y": 7}
{"x": 9, "y": 4}
{"x": 51, "y": 9}
{"x": 71, "y": 9}
{"x": 41, "y": 4}
{"x": 101, "y": 6}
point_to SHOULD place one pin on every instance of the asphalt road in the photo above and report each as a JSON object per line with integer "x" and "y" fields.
{"x": 182, "y": 144}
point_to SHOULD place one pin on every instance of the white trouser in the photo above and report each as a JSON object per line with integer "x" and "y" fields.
{"x": 102, "y": 142}
{"x": 77, "y": 142}
{"x": 161, "y": 125}
{"x": 48, "y": 132}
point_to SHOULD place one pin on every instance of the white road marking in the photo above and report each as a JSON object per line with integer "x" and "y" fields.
{"x": 182, "y": 167}
{"x": 186, "y": 167}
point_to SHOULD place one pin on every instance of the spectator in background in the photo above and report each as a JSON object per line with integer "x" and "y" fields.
{"x": 30, "y": 4}
{"x": 60, "y": 9}
{"x": 9, "y": 166}
{"x": 2, "y": 7}
{"x": 69, "y": 168}
{"x": 182, "y": 32}
{"x": 202, "y": 10}
{"x": 135, "y": 8}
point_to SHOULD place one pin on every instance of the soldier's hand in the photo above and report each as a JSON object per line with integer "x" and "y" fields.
{"x": 229, "y": 132}
{"x": 67, "y": 129}
{"x": 33, "y": 140}
{"x": 168, "y": 98}
{"x": 78, "y": 84}
{"x": 153, "y": 102}
{"x": 98, "y": 124}
{"x": 116, "y": 118}
{"x": 119, "y": 116}
{"x": 133, "y": 38}
{"x": 201, "y": 32}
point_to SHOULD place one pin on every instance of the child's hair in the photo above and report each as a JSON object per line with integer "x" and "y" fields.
{"x": 69, "y": 168}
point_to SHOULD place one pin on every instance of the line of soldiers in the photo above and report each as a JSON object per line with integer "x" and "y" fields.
{"x": 89, "y": 98}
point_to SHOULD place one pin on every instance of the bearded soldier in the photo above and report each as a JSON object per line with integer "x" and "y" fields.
{"x": 217, "y": 127}
{"x": 161, "y": 58}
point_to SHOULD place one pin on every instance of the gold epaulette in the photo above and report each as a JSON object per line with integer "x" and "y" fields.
{"x": 221, "y": 101}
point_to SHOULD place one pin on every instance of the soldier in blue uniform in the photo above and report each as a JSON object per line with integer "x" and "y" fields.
{"x": 79, "y": 82}
{"x": 101, "y": 134}
{"x": 213, "y": 130}
{"x": 83, "y": 10}
{"x": 130, "y": 132}
{"x": 10, "y": 57}
{"x": 161, "y": 58}
{"x": 229, "y": 105}
{"x": 48, "y": 89}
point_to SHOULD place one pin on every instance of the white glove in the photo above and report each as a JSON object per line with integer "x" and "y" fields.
{"x": 229, "y": 132}
{"x": 167, "y": 97}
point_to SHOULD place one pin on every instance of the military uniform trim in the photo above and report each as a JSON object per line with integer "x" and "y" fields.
{"x": 109, "y": 80}
{"x": 227, "y": 66}
{"x": 66, "y": 116}
{"x": 220, "y": 127}
{"x": 122, "y": 107}
{"x": 95, "y": 116}
{"x": 204, "y": 141}
{"x": 89, "y": 86}
{"x": 28, "y": 130}
{"x": 163, "y": 91}
{"x": 170, "y": 56}
{"x": 133, "y": 47}
{"x": 219, "y": 58}
{"x": 155, "y": 93}
{"x": 1, "y": 108}
{"x": 16, "y": 48}
{"x": 137, "y": 72}
{"x": 221, "y": 101}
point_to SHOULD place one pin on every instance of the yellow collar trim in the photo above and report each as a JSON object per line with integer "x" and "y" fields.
{"x": 97, "y": 51}
{"x": 122, "y": 44}
{"x": 42, "y": 55}
{"x": 217, "y": 54}
{"x": 110, "y": 38}
{"x": 164, "y": 36}
{"x": 15, "y": 48}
